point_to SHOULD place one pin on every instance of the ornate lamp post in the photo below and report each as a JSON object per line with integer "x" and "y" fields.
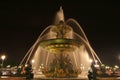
{"x": 3, "y": 58}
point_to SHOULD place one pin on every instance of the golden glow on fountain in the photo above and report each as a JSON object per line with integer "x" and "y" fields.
{"x": 61, "y": 48}
{"x": 60, "y": 51}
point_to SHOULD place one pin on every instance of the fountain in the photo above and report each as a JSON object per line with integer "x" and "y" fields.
{"x": 61, "y": 51}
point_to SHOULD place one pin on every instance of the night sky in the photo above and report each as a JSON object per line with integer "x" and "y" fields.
{"x": 22, "y": 22}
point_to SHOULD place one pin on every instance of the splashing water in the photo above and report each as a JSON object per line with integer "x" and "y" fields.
{"x": 61, "y": 42}
{"x": 59, "y": 16}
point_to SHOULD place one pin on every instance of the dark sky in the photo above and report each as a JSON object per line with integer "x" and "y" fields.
{"x": 22, "y": 22}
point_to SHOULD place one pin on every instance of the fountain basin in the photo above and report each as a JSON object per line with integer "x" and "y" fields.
{"x": 53, "y": 45}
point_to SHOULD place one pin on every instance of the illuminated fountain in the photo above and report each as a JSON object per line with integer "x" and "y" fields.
{"x": 61, "y": 51}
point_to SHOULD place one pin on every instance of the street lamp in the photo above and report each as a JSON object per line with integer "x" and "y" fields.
{"x": 3, "y": 58}
{"x": 32, "y": 61}
{"x": 90, "y": 60}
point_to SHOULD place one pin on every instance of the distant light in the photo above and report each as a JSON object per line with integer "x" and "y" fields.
{"x": 81, "y": 64}
{"x": 3, "y": 57}
{"x": 107, "y": 67}
{"x": 26, "y": 65}
{"x": 103, "y": 65}
{"x": 90, "y": 60}
{"x": 14, "y": 72}
{"x": 19, "y": 66}
{"x": 116, "y": 66}
{"x": 42, "y": 64}
{"x": 8, "y": 66}
{"x": 96, "y": 65}
{"x": 96, "y": 61}
{"x": 33, "y": 61}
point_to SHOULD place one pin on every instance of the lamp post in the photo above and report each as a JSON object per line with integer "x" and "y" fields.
{"x": 3, "y": 58}
{"x": 32, "y": 61}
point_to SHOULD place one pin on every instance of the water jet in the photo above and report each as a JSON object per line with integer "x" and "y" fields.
{"x": 60, "y": 52}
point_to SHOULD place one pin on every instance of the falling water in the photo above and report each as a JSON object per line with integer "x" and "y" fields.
{"x": 79, "y": 56}
{"x": 83, "y": 36}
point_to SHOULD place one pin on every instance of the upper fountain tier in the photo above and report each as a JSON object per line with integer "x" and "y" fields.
{"x": 61, "y": 40}
{"x": 61, "y": 29}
